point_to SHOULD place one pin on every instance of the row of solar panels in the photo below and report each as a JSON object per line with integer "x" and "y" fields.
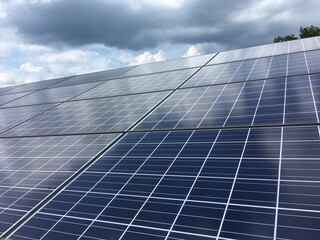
{"x": 271, "y": 50}
{"x": 243, "y": 165}
{"x": 263, "y": 68}
{"x": 290, "y": 100}
{"x": 150, "y": 183}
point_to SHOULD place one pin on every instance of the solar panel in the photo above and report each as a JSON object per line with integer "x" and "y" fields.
{"x": 219, "y": 146}
{"x": 140, "y": 84}
{"x": 93, "y": 77}
{"x": 11, "y": 117}
{"x": 99, "y": 115}
{"x": 32, "y": 168}
{"x": 34, "y": 86}
{"x": 10, "y": 97}
{"x": 51, "y": 95}
{"x": 171, "y": 65}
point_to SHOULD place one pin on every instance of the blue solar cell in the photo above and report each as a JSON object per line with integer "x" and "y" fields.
{"x": 203, "y": 219}
{"x": 248, "y": 223}
{"x": 255, "y": 192}
{"x": 294, "y": 224}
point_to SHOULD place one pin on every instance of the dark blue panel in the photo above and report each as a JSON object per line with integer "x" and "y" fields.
{"x": 141, "y": 185}
{"x": 211, "y": 189}
{"x": 68, "y": 228}
{"x": 9, "y": 217}
{"x": 158, "y": 213}
{"x": 143, "y": 234}
{"x": 199, "y": 218}
{"x": 248, "y": 223}
{"x": 187, "y": 236}
{"x": 300, "y": 195}
{"x": 173, "y": 187}
{"x": 255, "y": 192}
{"x": 296, "y": 224}
{"x": 36, "y": 227}
{"x": 220, "y": 167}
{"x": 99, "y": 230}
{"x": 121, "y": 209}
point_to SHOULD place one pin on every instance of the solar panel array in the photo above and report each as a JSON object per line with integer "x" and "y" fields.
{"x": 218, "y": 146}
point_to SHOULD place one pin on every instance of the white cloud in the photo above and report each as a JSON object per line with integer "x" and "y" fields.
{"x": 193, "y": 50}
{"x": 146, "y": 57}
{"x": 3, "y": 14}
{"x": 29, "y": 68}
{"x": 6, "y": 80}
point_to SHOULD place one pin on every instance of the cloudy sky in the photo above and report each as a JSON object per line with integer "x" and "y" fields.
{"x": 42, "y": 39}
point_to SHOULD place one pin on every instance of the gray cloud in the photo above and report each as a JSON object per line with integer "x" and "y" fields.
{"x": 119, "y": 24}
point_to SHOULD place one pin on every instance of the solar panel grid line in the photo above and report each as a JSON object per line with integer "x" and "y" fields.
{"x": 192, "y": 186}
{"x": 95, "y": 86}
{"x": 66, "y": 98}
{"x": 105, "y": 174}
{"x": 93, "y": 75}
{"x": 278, "y": 187}
{"x": 177, "y": 88}
{"x": 239, "y": 164}
{"x": 16, "y": 87}
{"x": 56, "y": 191}
{"x": 205, "y": 116}
{"x": 311, "y": 87}
{"x": 232, "y": 187}
{"x": 266, "y": 57}
{"x": 167, "y": 67}
{"x": 26, "y": 120}
{"x": 18, "y": 98}
{"x": 98, "y": 215}
{"x": 57, "y": 120}
{"x": 286, "y": 200}
{"x": 137, "y": 85}
{"x": 280, "y": 157}
{"x": 52, "y": 195}
{"x": 155, "y": 187}
{"x": 181, "y": 83}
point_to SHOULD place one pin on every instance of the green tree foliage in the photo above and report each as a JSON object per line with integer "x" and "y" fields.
{"x": 285, "y": 38}
{"x": 305, "y": 32}
{"x": 311, "y": 31}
